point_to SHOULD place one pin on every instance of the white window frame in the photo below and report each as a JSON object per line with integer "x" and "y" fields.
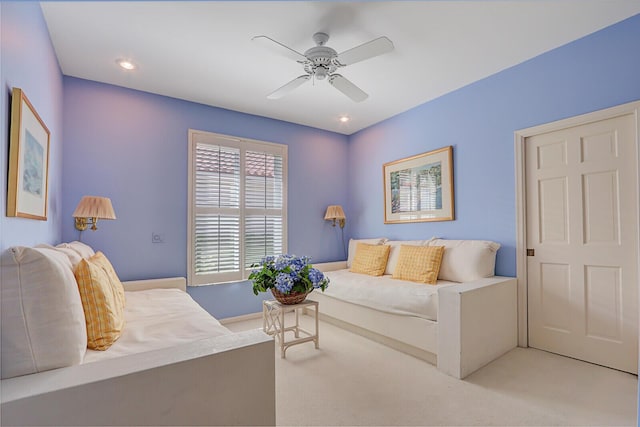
{"x": 244, "y": 145}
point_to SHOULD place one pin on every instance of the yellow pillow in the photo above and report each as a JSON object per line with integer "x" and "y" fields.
{"x": 419, "y": 263}
{"x": 370, "y": 259}
{"x": 102, "y": 261}
{"x": 102, "y": 305}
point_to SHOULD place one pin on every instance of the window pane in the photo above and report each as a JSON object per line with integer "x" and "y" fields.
{"x": 217, "y": 176}
{"x": 263, "y": 180}
{"x": 263, "y": 236}
{"x": 217, "y": 244}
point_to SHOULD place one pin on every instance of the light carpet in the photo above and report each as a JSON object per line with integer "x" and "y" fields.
{"x": 352, "y": 380}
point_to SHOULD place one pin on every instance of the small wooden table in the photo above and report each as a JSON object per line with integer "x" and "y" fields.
{"x": 273, "y": 323}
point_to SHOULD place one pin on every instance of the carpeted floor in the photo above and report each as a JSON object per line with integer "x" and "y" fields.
{"x": 351, "y": 380}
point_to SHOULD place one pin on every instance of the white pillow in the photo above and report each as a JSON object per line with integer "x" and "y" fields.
{"x": 353, "y": 243}
{"x": 394, "y": 252}
{"x": 466, "y": 260}
{"x": 74, "y": 257}
{"x": 85, "y": 251}
{"x": 43, "y": 324}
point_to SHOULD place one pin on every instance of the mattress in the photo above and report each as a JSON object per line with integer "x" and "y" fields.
{"x": 159, "y": 318}
{"x": 386, "y": 294}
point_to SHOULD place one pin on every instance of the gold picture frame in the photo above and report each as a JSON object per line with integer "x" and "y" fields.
{"x": 28, "y": 183}
{"x": 419, "y": 188}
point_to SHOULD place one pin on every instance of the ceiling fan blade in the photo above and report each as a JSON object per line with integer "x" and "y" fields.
{"x": 345, "y": 86}
{"x": 365, "y": 51}
{"x": 279, "y": 48}
{"x": 282, "y": 91}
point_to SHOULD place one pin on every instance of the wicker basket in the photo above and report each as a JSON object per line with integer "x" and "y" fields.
{"x": 290, "y": 298}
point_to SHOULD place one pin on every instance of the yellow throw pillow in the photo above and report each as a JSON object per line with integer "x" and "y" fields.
{"x": 370, "y": 259}
{"x": 419, "y": 263}
{"x": 102, "y": 305}
{"x": 100, "y": 259}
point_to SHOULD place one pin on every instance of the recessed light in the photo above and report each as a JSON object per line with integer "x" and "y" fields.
{"x": 127, "y": 65}
{"x": 344, "y": 119}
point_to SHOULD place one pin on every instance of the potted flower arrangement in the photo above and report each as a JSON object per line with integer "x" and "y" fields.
{"x": 290, "y": 278}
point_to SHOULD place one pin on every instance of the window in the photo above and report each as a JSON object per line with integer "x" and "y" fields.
{"x": 237, "y": 205}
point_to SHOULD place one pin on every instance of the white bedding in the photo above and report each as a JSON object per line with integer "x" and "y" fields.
{"x": 159, "y": 318}
{"x": 386, "y": 294}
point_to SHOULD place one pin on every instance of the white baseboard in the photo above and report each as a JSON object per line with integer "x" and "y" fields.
{"x": 250, "y": 316}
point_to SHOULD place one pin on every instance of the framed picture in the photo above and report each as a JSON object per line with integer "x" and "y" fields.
{"x": 419, "y": 188}
{"x": 28, "y": 161}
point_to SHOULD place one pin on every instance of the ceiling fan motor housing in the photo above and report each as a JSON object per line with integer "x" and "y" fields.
{"x": 320, "y": 61}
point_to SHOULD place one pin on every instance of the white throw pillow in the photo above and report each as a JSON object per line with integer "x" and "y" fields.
{"x": 353, "y": 243}
{"x": 74, "y": 257}
{"x": 466, "y": 260}
{"x": 85, "y": 251}
{"x": 43, "y": 325}
{"x": 394, "y": 252}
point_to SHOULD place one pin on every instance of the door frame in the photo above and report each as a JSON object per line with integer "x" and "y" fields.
{"x": 521, "y": 195}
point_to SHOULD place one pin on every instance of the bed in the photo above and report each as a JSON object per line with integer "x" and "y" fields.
{"x": 173, "y": 364}
{"x": 461, "y": 323}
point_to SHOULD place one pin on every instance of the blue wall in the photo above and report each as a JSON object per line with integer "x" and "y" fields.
{"x": 132, "y": 146}
{"x": 28, "y": 61}
{"x": 479, "y": 120}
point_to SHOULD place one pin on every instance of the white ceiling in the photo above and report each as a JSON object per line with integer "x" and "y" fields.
{"x": 202, "y": 51}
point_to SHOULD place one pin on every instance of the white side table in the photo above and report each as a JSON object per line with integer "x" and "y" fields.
{"x": 273, "y": 323}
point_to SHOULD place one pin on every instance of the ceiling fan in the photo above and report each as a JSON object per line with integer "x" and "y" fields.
{"x": 321, "y": 62}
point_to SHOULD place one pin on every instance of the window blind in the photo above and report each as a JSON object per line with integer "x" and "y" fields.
{"x": 238, "y": 201}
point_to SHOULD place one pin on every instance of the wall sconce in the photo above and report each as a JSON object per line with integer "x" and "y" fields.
{"x": 90, "y": 209}
{"x": 335, "y": 212}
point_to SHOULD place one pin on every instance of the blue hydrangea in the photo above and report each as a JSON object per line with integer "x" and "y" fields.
{"x": 282, "y": 261}
{"x": 297, "y": 264}
{"x": 316, "y": 277}
{"x": 286, "y": 272}
{"x": 268, "y": 259}
{"x": 284, "y": 282}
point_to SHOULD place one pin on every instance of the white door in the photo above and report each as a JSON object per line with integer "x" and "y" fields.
{"x": 582, "y": 220}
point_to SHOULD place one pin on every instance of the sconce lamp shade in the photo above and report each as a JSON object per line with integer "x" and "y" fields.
{"x": 92, "y": 208}
{"x": 335, "y": 212}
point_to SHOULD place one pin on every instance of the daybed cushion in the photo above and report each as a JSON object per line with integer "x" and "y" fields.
{"x": 370, "y": 259}
{"x": 354, "y": 242}
{"x": 160, "y": 318}
{"x": 43, "y": 325}
{"x": 383, "y": 293}
{"x": 102, "y": 304}
{"x": 466, "y": 260}
{"x": 419, "y": 263}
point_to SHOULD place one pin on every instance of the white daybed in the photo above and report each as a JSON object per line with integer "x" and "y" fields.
{"x": 174, "y": 364}
{"x": 465, "y": 321}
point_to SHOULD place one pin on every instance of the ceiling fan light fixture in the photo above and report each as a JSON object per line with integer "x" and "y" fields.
{"x": 321, "y": 73}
